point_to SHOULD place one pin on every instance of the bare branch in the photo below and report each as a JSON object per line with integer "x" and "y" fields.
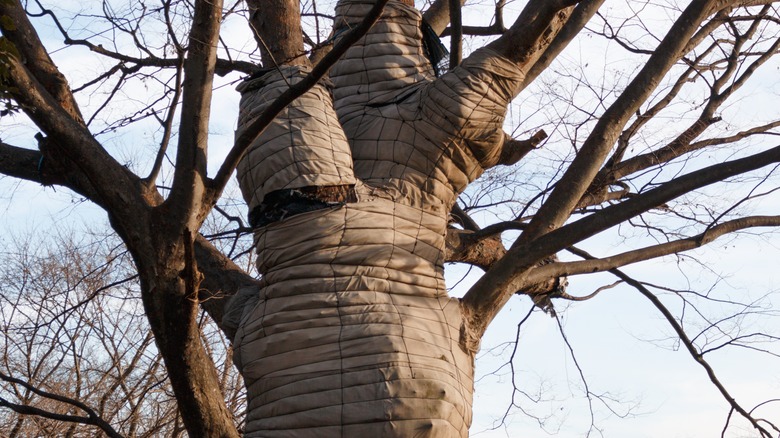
{"x": 491, "y": 292}
{"x": 651, "y": 252}
{"x": 533, "y": 31}
{"x": 692, "y": 350}
{"x": 75, "y": 148}
{"x": 456, "y": 33}
{"x": 221, "y": 279}
{"x": 588, "y": 393}
{"x": 167, "y": 129}
{"x": 581, "y": 15}
{"x": 438, "y": 15}
{"x": 23, "y": 36}
{"x": 469, "y": 247}
{"x": 189, "y": 181}
{"x": 514, "y": 150}
{"x": 683, "y": 144}
{"x": 92, "y": 418}
{"x": 223, "y": 66}
{"x": 20, "y": 163}
{"x": 578, "y": 177}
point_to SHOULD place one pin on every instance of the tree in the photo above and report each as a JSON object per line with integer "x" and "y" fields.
{"x": 77, "y": 351}
{"x": 412, "y": 143}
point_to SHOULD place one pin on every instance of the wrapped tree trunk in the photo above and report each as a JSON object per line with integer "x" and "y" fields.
{"x": 352, "y": 332}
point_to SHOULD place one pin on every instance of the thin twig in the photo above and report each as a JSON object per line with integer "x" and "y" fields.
{"x": 92, "y": 417}
{"x": 698, "y": 357}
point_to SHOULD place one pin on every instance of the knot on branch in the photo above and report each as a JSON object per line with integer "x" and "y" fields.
{"x": 543, "y": 292}
{"x": 514, "y": 150}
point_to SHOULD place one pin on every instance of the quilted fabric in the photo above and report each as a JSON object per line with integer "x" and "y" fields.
{"x": 352, "y": 333}
{"x": 354, "y": 330}
{"x": 303, "y": 146}
{"x": 421, "y": 139}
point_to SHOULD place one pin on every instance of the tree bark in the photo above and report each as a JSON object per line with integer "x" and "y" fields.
{"x": 172, "y": 311}
{"x": 276, "y": 25}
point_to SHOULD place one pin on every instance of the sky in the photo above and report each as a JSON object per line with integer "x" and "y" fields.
{"x": 623, "y": 347}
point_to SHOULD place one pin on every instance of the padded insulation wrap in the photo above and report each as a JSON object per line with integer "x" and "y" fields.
{"x": 420, "y": 138}
{"x": 354, "y": 334}
{"x": 303, "y": 146}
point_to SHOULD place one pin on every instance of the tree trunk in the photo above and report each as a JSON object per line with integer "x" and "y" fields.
{"x": 169, "y": 281}
{"x": 352, "y": 332}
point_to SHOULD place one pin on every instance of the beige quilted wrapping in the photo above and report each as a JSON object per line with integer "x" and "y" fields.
{"x": 303, "y": 146}
{"x": 352, "y": 333}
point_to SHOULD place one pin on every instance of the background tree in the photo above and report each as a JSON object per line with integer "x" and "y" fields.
{"x": 618, "y": 167}
{"x": 77, "y": 351}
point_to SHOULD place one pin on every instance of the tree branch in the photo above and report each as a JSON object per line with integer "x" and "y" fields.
{"x": 20, "y": 163}
{"x": 456, "y": 33}
{"x": 514, "y": 150}
{"x": 533, "y": 31}
{"x": 581, "y": 15}
{"x": 692, "y": 350}
{"x": 489, "y": 294}
{"x": 601, "y": 181}
{"x": 438, "y": 15}
{"x": 75, "y": 149}
{"x": 223, "y": 66}
{"x": 276, "y": 25}
{"x": 92, "y": 417}
{"x": 683, "y": 144}
{"x": 188, "y": 190}
{"x": 464, "y": 246}
{"x": 23, "y": 36}
{"x": 606, "y": 263}
{"x": 167, "y": 129}
{"x": 497, "y": 28}
{"x": 491, "y": 30}
{"x": 578, "y": 177}
{"x": 221, "y": 279}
